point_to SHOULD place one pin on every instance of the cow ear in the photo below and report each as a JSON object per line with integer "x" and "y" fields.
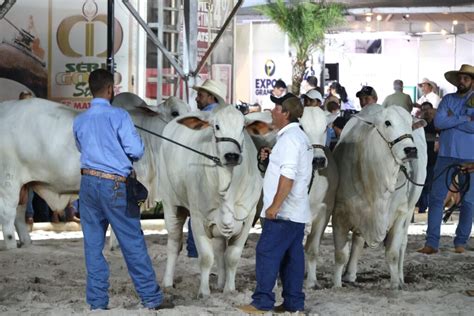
{"x": 194, "y": 122}
{"x": 418, "y": 124}
{"x": 258, "y": 128}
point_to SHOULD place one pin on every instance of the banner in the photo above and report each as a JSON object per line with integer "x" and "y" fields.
{"x": 50, "y": 47}
{"x": 267, "y": 69}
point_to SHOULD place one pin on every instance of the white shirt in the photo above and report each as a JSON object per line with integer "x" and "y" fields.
{"x": 431, "y": 97}
{"x": 291, "y": 157}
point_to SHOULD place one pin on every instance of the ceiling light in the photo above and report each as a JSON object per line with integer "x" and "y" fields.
{"x": 379, "y": 18}
{"x": 455, "y": 22}
{"x": 444, "y": 32}
{"x": 368, "y": 18}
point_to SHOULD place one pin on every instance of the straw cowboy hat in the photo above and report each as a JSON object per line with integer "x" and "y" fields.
{"x": 216, "y": 88}
{"x": 452, "y": 76}
{"x": 428, "y": 81}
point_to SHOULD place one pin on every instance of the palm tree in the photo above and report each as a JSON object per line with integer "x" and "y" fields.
{"x": 305, "y": 24}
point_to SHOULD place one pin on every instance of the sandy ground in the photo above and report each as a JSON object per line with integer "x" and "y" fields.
{"x": 48, "y": 278}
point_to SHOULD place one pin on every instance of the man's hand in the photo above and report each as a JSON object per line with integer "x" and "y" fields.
{"x": 264, "y": 153}
{"x": 468, "y": 167}
{"x": 271, "y": 212}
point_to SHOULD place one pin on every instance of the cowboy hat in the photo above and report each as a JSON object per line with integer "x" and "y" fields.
{"x": 428, "y": 81}
{"x": 452, "y": 76}
{"x": 313, "y": 94}
{"x": 216, "y": 88}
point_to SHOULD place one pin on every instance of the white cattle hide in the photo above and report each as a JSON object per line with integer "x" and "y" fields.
{"x": 323, "y": 190}
{"x": 37, "y": 148}
{"x": 220, "y": 199}
{"x": 373, "y": 199}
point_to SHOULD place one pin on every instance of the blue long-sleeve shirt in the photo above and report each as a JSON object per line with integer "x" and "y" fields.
{"x": 107, "y": 139}
{"x": 210, "y": 107}
{"x": 456, "y": 138}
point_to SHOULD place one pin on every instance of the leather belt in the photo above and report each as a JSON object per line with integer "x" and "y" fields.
{"x": 104, "y": 175}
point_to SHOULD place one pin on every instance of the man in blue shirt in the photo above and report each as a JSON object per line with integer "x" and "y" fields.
{"x": 455, "y": 120}
{"x": 210, "y": 94}
{"x": 109, "y": 144}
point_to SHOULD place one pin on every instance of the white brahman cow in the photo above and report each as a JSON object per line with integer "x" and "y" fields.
{"x": 323, "y": 189}
{"x": 221, "y": 199}
{"x": 374, "y": 199}
{"x": 37, "y": 149}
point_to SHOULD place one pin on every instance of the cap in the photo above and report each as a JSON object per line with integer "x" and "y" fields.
{"x": 313, "y": 94}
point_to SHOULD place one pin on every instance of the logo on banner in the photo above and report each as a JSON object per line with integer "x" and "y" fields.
{"x": 269, "y": 67}
{"x": 76, "y": 38}
{"x": 264, "y": 86}
{"x": 88, "y": 20}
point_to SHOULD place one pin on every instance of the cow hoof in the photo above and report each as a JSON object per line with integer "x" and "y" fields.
{"x": 348, "y": 278}
{"x": 23, "y": 244}
{"x": 203, "y": 295}
{"x": 229, "y": 292}
{"x": 396, "y": 287}
{"x": 317, "y": 286}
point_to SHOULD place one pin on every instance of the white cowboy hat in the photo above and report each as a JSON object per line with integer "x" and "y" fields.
{"x": 216, "y": 88}
{"x": 452, "y": 76}
{"x": 313, "y": 94}
{"x": 428, "y": 81}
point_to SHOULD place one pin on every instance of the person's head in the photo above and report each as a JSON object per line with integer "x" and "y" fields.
{"x": 279, "y": 88}
{"x": 426, "y": 86}
{"x": 25, "y": 94}
{"x": 312, "y": 98}
{"x": 287, "y": 109}
{"x": 312, "y": 82}
{"x": 398, "y": 85}
{"x": 367, "y": 96}
{"x": 101, "y": 84}
{"x": 210, "y": 92}
{"x": 337, "y": 90}
{"x": 338, "y": 125}
{"x": 462, "y": 79}
{"x": 332, "y": 107}
{"x": 427, "y": 112}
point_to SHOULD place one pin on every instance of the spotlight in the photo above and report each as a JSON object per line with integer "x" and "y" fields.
{"x": 379, "y": 18}
{"x": 455, "y": 22}
{"x": 368, "y": 18}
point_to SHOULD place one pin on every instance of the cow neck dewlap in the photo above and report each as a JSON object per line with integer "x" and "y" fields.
{"x": 224, "y": 178}
{"x": 377, "y": 168}
{"x": 378, "y": 171}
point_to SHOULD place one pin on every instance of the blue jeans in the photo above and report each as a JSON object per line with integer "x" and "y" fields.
{"x": 103, "y": 201}
{"x": 280, "y": 250}
{"x": 439, "y": 190}
{"x": 424, "y": 200}
{"x": 190, "y": 245}
{"x": 29, "y": 205}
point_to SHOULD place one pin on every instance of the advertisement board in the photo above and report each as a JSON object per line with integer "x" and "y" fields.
{"x": 267, "y": 69}
{"x": 56, "y": 44}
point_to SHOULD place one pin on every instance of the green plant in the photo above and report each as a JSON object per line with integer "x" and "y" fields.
{"x": 305, "y": 23}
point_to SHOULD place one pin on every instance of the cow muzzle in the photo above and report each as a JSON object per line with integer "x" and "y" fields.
{"x": 319, "y": 163}
{"x": 410, "y": 153}
{"x": 232, "y": 159}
